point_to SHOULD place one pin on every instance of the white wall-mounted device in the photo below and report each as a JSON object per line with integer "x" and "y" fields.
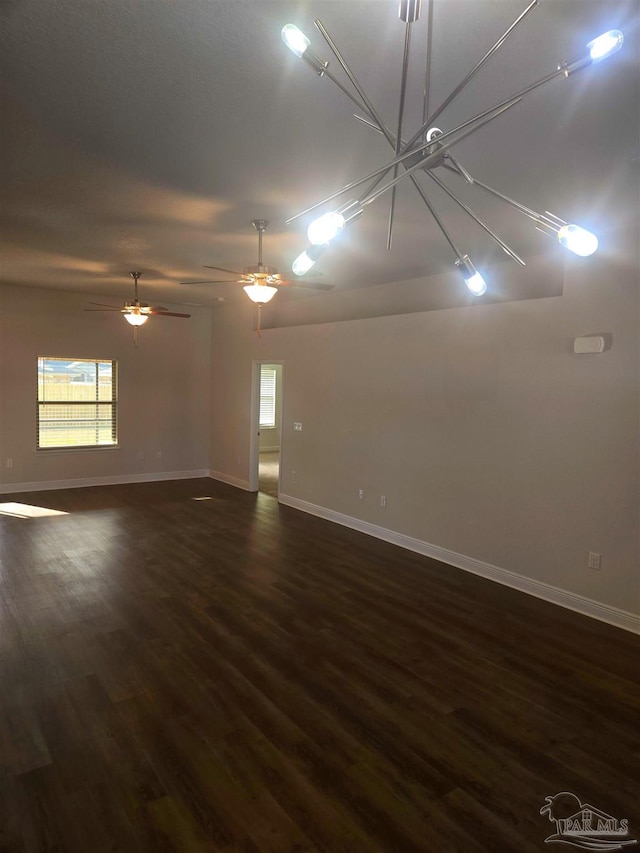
{"x": 588, "y": 344}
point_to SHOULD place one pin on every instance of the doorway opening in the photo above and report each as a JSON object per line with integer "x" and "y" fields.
{"x": 268, "y": 426}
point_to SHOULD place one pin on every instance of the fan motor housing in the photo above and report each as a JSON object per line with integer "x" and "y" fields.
{"x": 259, "y": 269}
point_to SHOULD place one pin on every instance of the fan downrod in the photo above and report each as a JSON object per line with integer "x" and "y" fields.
{"x": 261, "y": 226}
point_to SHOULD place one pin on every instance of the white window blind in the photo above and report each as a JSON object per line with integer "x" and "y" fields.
{"x": 267, "y": 396}
{"x": 77, "y": 402}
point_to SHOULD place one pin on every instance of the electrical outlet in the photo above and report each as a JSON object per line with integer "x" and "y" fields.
{"x": 9, "y": 463}
{"x": 297, "y": 426}
{"x": 594, "y": 560}
{"x": 383, "y": 500}
{"x": 361, "y": 493}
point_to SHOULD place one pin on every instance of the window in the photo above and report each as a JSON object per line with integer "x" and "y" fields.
{"x": 267, "y": 396}
{"x": 77, "y": 402}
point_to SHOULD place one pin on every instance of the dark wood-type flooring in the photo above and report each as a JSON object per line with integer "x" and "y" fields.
{"x": 231, "y": 674}
{"x": 269, "y": 472}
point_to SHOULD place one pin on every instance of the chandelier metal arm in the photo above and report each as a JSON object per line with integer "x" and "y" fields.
{"x": 344, "y": 89}
{"x": 373, "y": 113}
{"x": 427, "y": 72}
{"x": 459, "y": 167}
{"x": 548, "y": 221}
{"x": 492, "y": 113}
{"x": 477, "y": 219}
{"x": 537, "y": 217}
{"x": 403, "y": 92}
{"x": 428, "y": 121}
{"x": 551, "y": 222}
{"x": 564, "y": 69}
{"x": 419, "y": 188}
{"x": 380, "y": 127}
{"x": 371, "y": 124}
{"x": 439, "y": 222}
{"x": 375, "y": 127}
{"x": 441, "y": 149}
{"x": 424, "y": 197}
{"x": 369, "y": 107}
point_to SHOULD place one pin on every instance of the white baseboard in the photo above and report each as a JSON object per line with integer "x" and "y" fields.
{"x": 226, "y": 478}
{"x": 563, "y": 598}
{"x": 120, "y": 479}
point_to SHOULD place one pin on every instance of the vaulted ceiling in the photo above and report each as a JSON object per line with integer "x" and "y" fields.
{"x": 148, "y": 135}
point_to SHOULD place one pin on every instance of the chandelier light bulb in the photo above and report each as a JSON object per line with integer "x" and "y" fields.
{"x": 605, "y": 45}
{"x": 307, "y": 259}
{"x": 295, "y": 39}
{"x": 476, "y": 284}
{"x": 136, "y": 319}
{"x": 472, "y": 278}
{"x": 578, "y": 240}
{"x": 325, "y": 228}
{"x": 302, "y": 264}
{"x": 260, "y": 293}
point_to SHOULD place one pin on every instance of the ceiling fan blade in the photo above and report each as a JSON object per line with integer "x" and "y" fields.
{"x": 168, "y": 314}
{"x": 118, "y": 310}
{"x": 308, "y": 285}
{"x": 156, "y": 308}
{"x": 222, "y": 269}
{"x": 212, "y": 281}
{"x": 103, "y": 305}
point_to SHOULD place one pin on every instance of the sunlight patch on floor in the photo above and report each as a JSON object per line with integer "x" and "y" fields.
{"x": 18, "y": 510}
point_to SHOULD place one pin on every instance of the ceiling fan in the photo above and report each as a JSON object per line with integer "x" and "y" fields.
{"x": 260, "y": 282}
{"x": 137, "y": 313}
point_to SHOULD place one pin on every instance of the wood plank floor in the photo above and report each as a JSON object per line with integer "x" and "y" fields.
{"x": 231, "y": 674}
{"x": 269, "y": 472}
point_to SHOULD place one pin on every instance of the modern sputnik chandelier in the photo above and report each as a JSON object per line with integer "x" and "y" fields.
{"x": 430, "y": 148}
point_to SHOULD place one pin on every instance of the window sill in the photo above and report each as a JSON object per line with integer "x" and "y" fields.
{"x": 88, "y": 449}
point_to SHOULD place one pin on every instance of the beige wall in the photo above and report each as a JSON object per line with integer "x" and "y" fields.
{"x": 488, "y": 436}
{"x": 164, "y": 387}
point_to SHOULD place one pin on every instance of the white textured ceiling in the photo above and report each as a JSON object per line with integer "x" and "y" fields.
{"x": 147, "y": 134}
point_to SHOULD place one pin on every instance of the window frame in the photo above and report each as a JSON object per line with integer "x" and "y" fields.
{"x": 42, "y": 404}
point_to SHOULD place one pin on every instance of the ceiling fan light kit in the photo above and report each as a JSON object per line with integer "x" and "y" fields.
{"x": 135, "y": 315}
{"x": 429, "y": 149}
{"x": 260, "y": 293}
